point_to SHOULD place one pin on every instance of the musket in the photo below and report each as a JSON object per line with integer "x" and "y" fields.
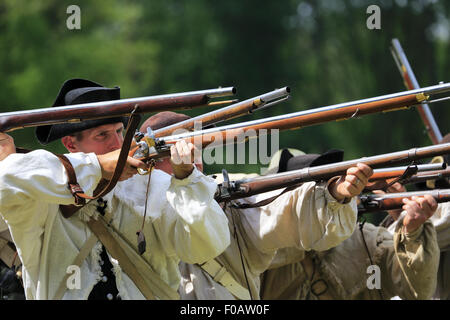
{"x": 391, "y": 201}
{"x": 410, "y": 81}
{"x": 10, "y": 121}
{"x": 395, "y": 172}
{"x": 382, "y": 179}
{"x": 428, "y": 175}
{"x": 230, "y": 112}
{"x": 296, "y": 120}
{"x": 231, "y": 190}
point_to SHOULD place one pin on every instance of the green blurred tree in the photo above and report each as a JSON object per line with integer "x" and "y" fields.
{"x": 321, "y": 49}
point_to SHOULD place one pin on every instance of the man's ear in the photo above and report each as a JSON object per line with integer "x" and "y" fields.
{"x": 68, "y": 142}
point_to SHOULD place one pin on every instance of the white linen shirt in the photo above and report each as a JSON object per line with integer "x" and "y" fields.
{"x": 183, "y": 221}
{"x": 307, "y": 218}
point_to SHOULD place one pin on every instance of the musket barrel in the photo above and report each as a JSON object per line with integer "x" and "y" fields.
{"x": 227, "y": 113}
{"x": 28, "y": 118}
{"x": 388, "y": 173}
{"x": 428, "y": 175}
{"x": 252, "y": 129}
{"x": 382, "y": 160}
{"x": 435, "y": 193}
{"x": 411, "y": 83}
{"x": 390, "y": 201}
{"x": 315, "y": 116}
{"x": 219, "y": 92}
{"x": 249, "y": 187}
{"x": 421, "y": 167}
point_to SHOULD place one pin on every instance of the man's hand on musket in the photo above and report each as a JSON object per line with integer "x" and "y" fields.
{"x": 352, "y": 183}
{"x": 418, "y": 210}
{"x": 182, "y": 158}
{"x": 395, "y": 188}
{"x": 7, "y": 145}
{"x": 108, "y": 163}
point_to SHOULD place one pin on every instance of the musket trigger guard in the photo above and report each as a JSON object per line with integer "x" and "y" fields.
{"x": 143, "y": 172}
{"x": 368, "y": 202}
{"x": 409, "y": 172}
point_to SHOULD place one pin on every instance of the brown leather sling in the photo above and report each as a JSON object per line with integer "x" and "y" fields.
{"x": 101, "y": 228}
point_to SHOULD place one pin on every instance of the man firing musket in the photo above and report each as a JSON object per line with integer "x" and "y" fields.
{"x": 258, "y": 232}
{"x": 236, "y": 280}
{"x": 36, "y": 188}
{"x": 82, "y": 105}
{"x": 371, "y": 264}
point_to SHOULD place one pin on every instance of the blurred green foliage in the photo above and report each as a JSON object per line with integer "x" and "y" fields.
{"x": 321, "y": 49}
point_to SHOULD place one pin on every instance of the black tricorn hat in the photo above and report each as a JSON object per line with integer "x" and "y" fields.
{"x": 288, "y": 162}
{"x": 77, "y": 91}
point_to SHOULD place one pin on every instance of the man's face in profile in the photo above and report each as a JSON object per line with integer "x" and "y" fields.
{"x": 99, "y": 140}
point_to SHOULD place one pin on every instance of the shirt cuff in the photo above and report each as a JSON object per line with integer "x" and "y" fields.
{"x": 328, "y": 195}
{"x": 408, "y": 236}
{"x": 87, "y": 170}
{"x": 411, "y": 236}
{"x": 194, "y": 177}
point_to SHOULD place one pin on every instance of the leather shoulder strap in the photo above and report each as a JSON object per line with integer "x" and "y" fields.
{"x": 220, "y": 274}
{"x": 262, "y": 202}
{"x": 74, "y": 187}
{"x": 77, "y": 191}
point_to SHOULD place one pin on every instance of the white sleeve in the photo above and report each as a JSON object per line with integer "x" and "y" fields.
{"x": 38, "y": 178}
{"x": 308, "y": 218}
{"x": 200, "y": 230}
{"x": 3, "y": 225}
{"x": 441, "y": 221}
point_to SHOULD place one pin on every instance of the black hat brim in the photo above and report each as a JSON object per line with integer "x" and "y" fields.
{"x": 312, "y": 160}
{"x": 47, "y": 134}
{"x": 78, "y": 91}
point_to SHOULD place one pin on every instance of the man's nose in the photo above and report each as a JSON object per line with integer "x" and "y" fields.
{"x": 117, "y": 141}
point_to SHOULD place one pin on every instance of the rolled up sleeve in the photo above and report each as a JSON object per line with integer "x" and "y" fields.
{"x": 200, "y": 230}
{"x": 28, "y": 181}
{"x": 417, "y": 256}
{"x": 308, "y": 218}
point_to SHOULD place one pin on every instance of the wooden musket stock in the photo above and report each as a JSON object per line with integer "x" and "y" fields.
{"x": 248, "y": 187}
{"x": 220, "y": 136}
{"x": 382, "y": 179}
{"x": 391, "y": 201}
{"x": 252, "y": 129}
{"x": 429, "y": 175}
{"x": 391, "y": 173}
